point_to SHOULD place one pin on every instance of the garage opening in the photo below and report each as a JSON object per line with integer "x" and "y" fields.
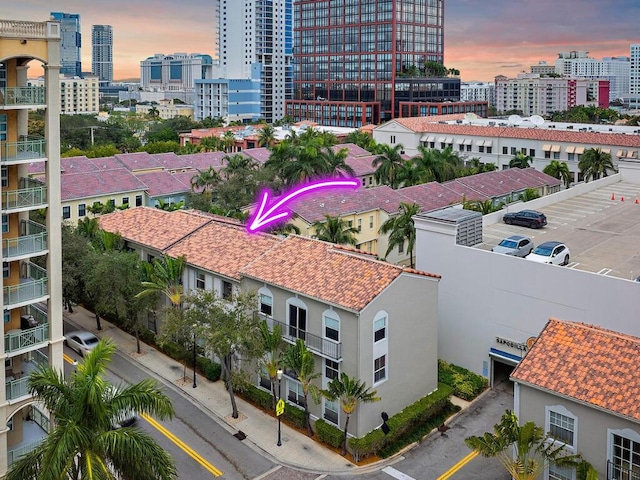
{"x": 502, "y": 365}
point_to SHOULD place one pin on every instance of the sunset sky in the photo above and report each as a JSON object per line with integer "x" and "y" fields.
{"x": 482, "y": 38}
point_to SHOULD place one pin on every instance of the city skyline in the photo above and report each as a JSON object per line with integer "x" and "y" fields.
{"x": 503, "y": 38}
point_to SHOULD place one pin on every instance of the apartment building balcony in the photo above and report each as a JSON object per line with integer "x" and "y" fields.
{"x": 30, "y": 195}
{"x": 34, "y": 430}
{"x": 33, "y": 335}
{"x": 26, "y": 150}
{"x": 22, "y": 97}
{"x": 16, "y": 389}
{"x": 31, "y": 289}
{"x": 32, "y": 244}
{"x": 23, "y": 29}
{"x": 322, "y": 346}
{"x": 619, "y": 472}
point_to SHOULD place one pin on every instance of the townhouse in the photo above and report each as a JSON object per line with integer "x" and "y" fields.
{"x": 580, "y": 382}
{"x": 370, "y": 319}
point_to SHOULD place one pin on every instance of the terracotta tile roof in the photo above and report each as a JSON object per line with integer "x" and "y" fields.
{"x": 139, "y": 161}
{"x": 107, "y": 163}
{"x": 185, "y": 179}
{"x": 259, "y": 154}
{"x": 586, "y": 363}
{"x": 202, "y": 161}
{"x": 367, "y": 128}
{"x": 77, "y": 165}
{"x": 153, "y": 227}
{"x": 353, "y": 150}
{"x": 318, "y": 270}
{"x": 418, "y": 123}
{"x": 171, "y": 161}
{"x": 162, "y": 183}
{"x": 361, "y": 165}
{"x": 424, "y": 125}
{"x": 222, "y": 247}
{"x": 503, "y": 182}
{"x": 433, "y": 195}
{"x": 92, "y": 184}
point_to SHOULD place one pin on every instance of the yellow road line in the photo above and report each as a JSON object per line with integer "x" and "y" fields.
{"x": 449, "y": 473}
{"x": 67, "y": 358}
{"x": 183, "y": 446}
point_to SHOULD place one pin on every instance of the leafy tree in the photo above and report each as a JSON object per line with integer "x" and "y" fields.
{"x": 435, "y": 69}
{"x": 74, "y": 249}
{"x": 211, "y": 144}
{"x": 388, "y": 164}
{"x": 523, "y": 450}
{"x": 350, "y": 392}
{"x": 520, "y": 160}
{"x": 169, "y": 206}
{"x": 559, "y": 170}
{"x": 363, "y": 140}
{"x": 88, "y": 228}
{"x": 595, "y": 163}
{"x": 272, "y": 350}
{"x": 99, "y": 151}
{"x": 529, "y": 194}
{"x": 402, "y": 229}
{"x": 483, "y": 206}
{"x": 335, "y": 162}
{"x": 162, "y": 146}
{"x": 165, "y": 276}
{"x": 189, "y": 148}
{"x": 285, "y": 229}
{"x": 228, "y": 141}
{"x": 99, "y": 208}
{"x": 205, "y": 179}
{"x": 266, "y": 136}
{"x": 225, "y": 327}
{"x": 73, "y": 152}
{"x": 335, "y": 230}
{"x": 83, "y": 442}
{"x": 302, "y": 361}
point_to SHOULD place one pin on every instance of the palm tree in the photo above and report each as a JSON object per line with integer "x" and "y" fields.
{"x": 272, "y": 344}
{"x": 410, "y": 174}
{"x": 520, "y": 160}
{"x": 285, "y": 229}
{"x": 169, "y": 206}
{"x": 228, "y": 140}
{"x": 350, "y": 392}
{"x": 83, "y": 442}
{"x": 334, "y": 162}
{"x": 388, "y": 164}
{"x": 534, "y": 450}
{"x": 559, "y": 170}
{"x": 482, "y": 206}
{"x": 447, "y": 164}
{"x": 165, "y": 276}
{"x": 335, "y": 230}
{"x": 300, "y": 359}
{"x": 529, "y": 194}
{"x": 362, "y": 139}
{"x": 210, "y": 144}
{"x": 266, "y": 136}
{"x": 595, "y": 163}
{"x": 402, "y": 229}
{"x": 205, "y": 179}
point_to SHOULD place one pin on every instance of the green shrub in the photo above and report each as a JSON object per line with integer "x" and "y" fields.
{"x": 175, "y": 351}
{"x": 213, "y": 371}
{"x": 258, "y": 397}
{"x": 294, "y": 416}
{"x": 466, "y": 384}
{"x": 416, "y": 417}
{"x": 147, "y": 336}
{"x": 328, "y": 433}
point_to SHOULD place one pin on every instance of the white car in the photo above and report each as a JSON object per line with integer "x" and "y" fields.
{"x": 81, "y": 341}
{"x": 555, "y": 253}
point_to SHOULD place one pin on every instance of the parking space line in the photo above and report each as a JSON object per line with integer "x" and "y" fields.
{"x": 573, "y": 264}
{"x": 605, "y": 271}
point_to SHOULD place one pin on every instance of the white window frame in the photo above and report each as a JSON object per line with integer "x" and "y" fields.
{"x": 384, "y": 319}
{"x": 66, "y": 212}
{"x": 561, "y": 473}
{"x": 627, "y": 433}
{"x": 384, "y": 369}
{"x": 265, "y": 293}
{"x": 291, "y": 382}
{"x": 6, "y": 269}
{"x": 560, "y": 410}
{"x": 332, "y": 316}
{"x": 199, "y": 279}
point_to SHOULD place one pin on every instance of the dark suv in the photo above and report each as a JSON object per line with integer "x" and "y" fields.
{"x": 526, "y": 218}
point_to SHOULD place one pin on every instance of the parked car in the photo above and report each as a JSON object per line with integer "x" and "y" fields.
{"x": 555, "y": 253}
{"x": 123, "y": 418}
{"x": 81, "y": 341}
{"x": 526, "y": 218}
{"x": 516, "y": 245}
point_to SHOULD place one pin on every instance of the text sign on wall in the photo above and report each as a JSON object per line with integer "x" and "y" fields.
{"x": 522, "y": 346}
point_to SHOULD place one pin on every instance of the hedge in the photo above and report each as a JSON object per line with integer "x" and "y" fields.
{"x": 258, "y": 397}
{"x": 402, "y": 424}
{"x": 294, "y": 416}
{"x": 328, "y": 433}
{"x": 210, "y": 369}
{"x": 466, "y": 384}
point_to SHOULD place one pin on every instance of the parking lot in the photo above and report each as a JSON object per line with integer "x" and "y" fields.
{"x": 603, "y": 234}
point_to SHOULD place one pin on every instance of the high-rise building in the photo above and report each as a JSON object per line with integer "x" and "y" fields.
{"x": 31, "y": 251}
{"x": 70, "y": 43}
{"x": 102, "y": 53}
{"x": 580, "y": 65}
{"x": 176, "y": 72}
{"x": 356, "y": 61}
{"x": 255, "y": 38}
{"x": 634, "y": 77}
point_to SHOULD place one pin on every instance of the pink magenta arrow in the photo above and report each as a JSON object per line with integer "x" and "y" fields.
{"x": 276, "y": 212}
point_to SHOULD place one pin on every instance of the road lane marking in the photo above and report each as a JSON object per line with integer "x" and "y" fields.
{"x": 183, "y": 446}
{"x": 396, "y": 473}
{"x": 449, "y": 473}
{"x": 67, "y": 358}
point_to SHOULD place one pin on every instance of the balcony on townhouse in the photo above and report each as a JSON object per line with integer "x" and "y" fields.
{"x": 31, "y": 195}
{"x": 16, "y": 383}
{"x": 33, "y": 334}
{"x": 32, "y": 243}
{"x": 31, "y": 289}
{"x": 322, "y": 346}
{"x": 28, "y": 149}
{"x": 22, "y": 97}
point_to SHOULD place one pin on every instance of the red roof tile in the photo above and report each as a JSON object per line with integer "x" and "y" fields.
{"x": 139, "y": 161}
{"x": 97, "y": 183}
{"x": 162, "y": 183}
{"x": 585, "y": 363}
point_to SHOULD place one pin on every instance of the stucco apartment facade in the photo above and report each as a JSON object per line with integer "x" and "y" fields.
{"x": 31, "y": 295}
{"x": 580, "y": 382}
{"x": 498, "y": 141}
{"x": 369, "y": 319}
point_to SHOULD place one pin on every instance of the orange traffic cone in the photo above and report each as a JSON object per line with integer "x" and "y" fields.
{"x": 613, "y": 196}
{"x": 622, "y": 198}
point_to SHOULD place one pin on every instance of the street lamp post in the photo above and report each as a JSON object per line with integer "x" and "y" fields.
{"x": 194, "y": 356}
{"x": 279, "y": 398}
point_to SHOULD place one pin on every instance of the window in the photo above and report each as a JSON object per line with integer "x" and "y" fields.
{"x": 5, "y": 176}
{"x": 331, "y": 369}
{"x": 481, "y": 149}
{"x": 138, "y": 200}
{"x": 112, "y": 202}
{"x": 547, "y": 154}
{"x": 66, "y": 212}
{"x": 7, "y": 316}
{"x": 401, "y": 247}
{"x": 297, "y": 321}
{"x": 125, "y": 200}
{"x": 6, "y": 269}
{"x": 265, "y": 381}
{"x": 625, "y": 456}
{"x": 392, "y": 139}
{"x": 489, "y": 149}
{"x": 561, "y": 426}
{"x": 5, "y": 223}
{"x": 227, "y": 290}
{"x": 532, "y": 152}
{"x": 331, "y": 411}
{"x": 370, "y": 221}
{"x": 505, "y": 150}
{"x": 332, "y": 328}
{"x": 200, "y": 280}
{"x": 556, "y": 155}
{"x": 266, "y": 304}
{"x": 359, "y": 225}
{"x": 571, "y": 156}
{"x": 380, "y": 329}
{"x": 295, "y": 393}
{"x": 380, "y": 369}
{"x": 82, "y": 210}
{"x": 560, "y": 473}
{"x": 514, "y": 151}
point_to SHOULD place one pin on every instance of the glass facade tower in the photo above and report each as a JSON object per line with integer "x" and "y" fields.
{"x": 70, "y": 43}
